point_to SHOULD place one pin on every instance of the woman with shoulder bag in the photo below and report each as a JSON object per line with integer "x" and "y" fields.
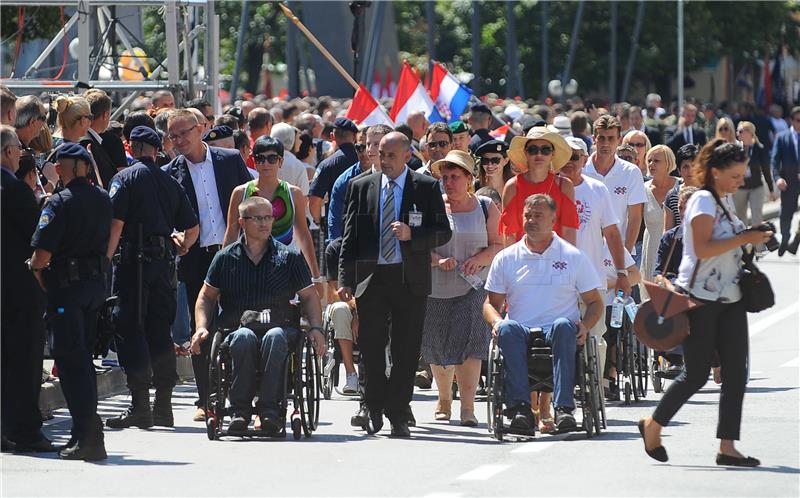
{"x": 712, "y": 239}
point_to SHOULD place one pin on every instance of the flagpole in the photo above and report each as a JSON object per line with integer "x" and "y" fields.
{"x": 319, "y": 46}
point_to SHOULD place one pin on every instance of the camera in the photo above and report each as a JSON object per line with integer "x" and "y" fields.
{"x": 766, "y": 226}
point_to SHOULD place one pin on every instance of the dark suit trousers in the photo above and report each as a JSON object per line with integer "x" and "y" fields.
{"x": 23, "y": 338}
{"x": 788, "y": 207}
{"x": 388, "y": 297}
{"x": 194, "y": 282}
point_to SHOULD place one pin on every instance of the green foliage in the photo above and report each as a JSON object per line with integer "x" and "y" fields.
{"x": 40, "y": 22}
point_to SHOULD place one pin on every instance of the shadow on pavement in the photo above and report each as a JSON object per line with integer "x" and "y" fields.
{"x": 777, "y": 469}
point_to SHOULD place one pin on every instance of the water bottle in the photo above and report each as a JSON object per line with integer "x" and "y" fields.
{"x": 631, "y": 308}
{"x": 474, "y": 281}
{"x": 617, "y": 308}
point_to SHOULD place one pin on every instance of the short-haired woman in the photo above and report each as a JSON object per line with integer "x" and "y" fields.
{"x": 709, "y": 271}
{"x": 758, "y": 166}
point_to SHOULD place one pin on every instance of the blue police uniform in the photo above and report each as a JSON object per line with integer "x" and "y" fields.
{"x": 150, "y": 203}
{"x": 74, "y": 227}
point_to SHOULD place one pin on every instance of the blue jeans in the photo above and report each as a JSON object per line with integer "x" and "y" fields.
{"x": 269, "y": 354}
{"x": 513, "y": 340}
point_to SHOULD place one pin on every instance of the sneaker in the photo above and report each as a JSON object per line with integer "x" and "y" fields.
{"x": 238, "y": 424}
{"x": 522, "y": 420}
{"x": 565, "y": 421}
{"x": 269, "y": 425}
{"x": 351, "y": 384}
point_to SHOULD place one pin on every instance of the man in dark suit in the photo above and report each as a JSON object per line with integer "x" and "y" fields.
{"x": 393, "y": 220}
{"x": 106, "y": 148}
{"x": 23, "y": 305}
{"x": 786, "y": 172}
{"x": 208, "y": 175}
{"x": 686, "y": 131}
{"x": 636, "y": 121}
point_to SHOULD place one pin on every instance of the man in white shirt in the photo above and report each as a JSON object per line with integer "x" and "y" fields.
{"x": 293, "y": 170}
{"x": 622, "y": 179}
{"x": 541, "y": 278}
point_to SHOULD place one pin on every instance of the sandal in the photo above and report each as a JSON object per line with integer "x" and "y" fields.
{"x": 547, "y": 426}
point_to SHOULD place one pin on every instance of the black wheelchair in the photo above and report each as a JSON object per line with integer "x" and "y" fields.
{"x": 633, "y": 371}
{"x": 332, "y": 360}
{"x": 588, "y": 389}
{"x": 302, "y": 381}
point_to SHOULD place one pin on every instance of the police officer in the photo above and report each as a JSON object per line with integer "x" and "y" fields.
{"x": 69, "y": 261}
{"x": 148, "y": 204}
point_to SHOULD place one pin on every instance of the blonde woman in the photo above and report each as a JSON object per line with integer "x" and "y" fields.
{"x": 725, "y": 130}
{"x": 74, "y": 121}
{"x": 758, "y": 167}
{"x": 660, "y": 163}
{"x": 641, "y": 143}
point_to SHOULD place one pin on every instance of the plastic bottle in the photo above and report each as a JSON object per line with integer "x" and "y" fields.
{"x": 631, "y": 308}
{"x": 617, "y": 308}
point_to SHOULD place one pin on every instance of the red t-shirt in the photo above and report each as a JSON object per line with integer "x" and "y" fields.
{"x": 566, "y": 213}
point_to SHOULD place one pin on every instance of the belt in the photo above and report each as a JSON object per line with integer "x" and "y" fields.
{"x": 212, "y": 248}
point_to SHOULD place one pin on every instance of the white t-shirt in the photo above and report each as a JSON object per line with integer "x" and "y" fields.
{"x": 625, "y": 184}
{"x": 610, "y": 271}
{"x": 595, "y": 212}
{"x": 718, "y": 276}
{"x": 541, "y": 288}
{"x": 293, "y": 171}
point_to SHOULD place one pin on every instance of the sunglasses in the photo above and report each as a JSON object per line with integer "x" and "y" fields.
{"x": 533, "y": 150}
{"x": 265, "y": 218}
{"x": 360, "y": 147}
{"x": 263, "y": 158}
{"x": 491, "y": 160}
{"x": 638, "y": 145}
{"x": 438, "y": 145}
{"x": 575, "y": 157}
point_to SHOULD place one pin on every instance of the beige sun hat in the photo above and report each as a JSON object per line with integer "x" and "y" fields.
{"x": 458, "y": 158}
{"x": 561, "y": 151}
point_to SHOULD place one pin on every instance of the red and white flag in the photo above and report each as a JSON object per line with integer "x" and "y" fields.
{"x": 365, "y": 110}
{"x": 500, "y": 133}
{"x": 410, "y": 97}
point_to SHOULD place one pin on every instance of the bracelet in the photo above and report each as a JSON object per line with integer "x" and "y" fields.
{"x": 622, "y": 272}
{"x": 318, "y": 280}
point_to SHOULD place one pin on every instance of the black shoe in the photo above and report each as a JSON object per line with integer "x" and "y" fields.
{"x": 8, "y": 445}
{"x": 131, "y": 417}
{"x": 269, "y": 426}
{"x": 783, "y": 247}
{"x": 162, "y": 409}
{"x": 565, "y": 421}
{"x": 400, "y": 429}
{"x": 84, "y": 450}
{"x": 412, "y": 422}
{"x": 612, "y": 392}
{"x": 375, "y": 421}
{"x": 72, "y": 442}
{"x": 43, "y": 445}
{"x": 522, "y": 421}
{"x": 795, "y": 242}
{"x": 422, "y": 380}
{"x": 239, "y": 424}
{"x": 659, "y": 453}
{"x": 361, "y": 418}
{"x": 733, "y": 461}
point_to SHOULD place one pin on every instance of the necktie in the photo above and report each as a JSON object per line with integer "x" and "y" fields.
{"x": 387, "y": 236}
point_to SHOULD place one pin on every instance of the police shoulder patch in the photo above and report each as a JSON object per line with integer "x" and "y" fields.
{"x": 46, "y": 217}
{"x": 114, "y": 188}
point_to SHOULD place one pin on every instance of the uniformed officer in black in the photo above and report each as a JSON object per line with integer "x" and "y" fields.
{"x": 69, "y": 261}
{"x": 148, "y": 204}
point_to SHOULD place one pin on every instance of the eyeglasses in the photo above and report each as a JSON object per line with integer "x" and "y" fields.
{"x": 181, "y": 134}
{"x": 360, "y": 148}
{"x": 533, "y": 150}
{"x": 260, "y": 219}
{"x": 638, "y": 145}
{"x": 263, "y": 158}
{"x": 491, "y": 160}
{"x": 438, "y": 145}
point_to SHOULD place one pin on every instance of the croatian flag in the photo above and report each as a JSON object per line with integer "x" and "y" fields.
{"x": 500, "y": 133}
{"x": 410, "y": 97}
{"x": 449, "y": 96}
{"x": 365, "y": 110}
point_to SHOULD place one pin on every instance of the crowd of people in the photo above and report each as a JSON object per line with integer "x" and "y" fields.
{"x": 433, "y": 238}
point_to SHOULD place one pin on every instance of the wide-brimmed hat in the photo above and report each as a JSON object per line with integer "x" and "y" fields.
{"x": 561, "y": 151}
{"x": 457, "y": 158}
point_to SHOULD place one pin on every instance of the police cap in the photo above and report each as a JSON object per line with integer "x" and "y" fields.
{"x": 497, "y": 146}
{"x": 146, "y": 135}
{"x": 345, "y": 124}
{"x": 72, "y": 150}
{"x": 218, "y": 133}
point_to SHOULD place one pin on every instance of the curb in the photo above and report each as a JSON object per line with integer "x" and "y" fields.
{"x": 109, "y": 384}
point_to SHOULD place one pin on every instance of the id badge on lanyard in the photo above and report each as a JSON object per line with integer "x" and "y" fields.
{"x": 414, "y": 217}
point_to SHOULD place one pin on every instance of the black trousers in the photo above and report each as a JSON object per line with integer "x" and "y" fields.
{"x": 788, "y": 207}
{"x": 194, "y": 282}
{"x": 387, "y": 297}
{"x": 23, "y": 338}
{"x": 720, "y": 327}
{"x": 151, "y": 346}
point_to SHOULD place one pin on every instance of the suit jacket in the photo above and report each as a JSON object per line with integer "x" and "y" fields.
{"x": 675, "y": 140}
{"x": 229, "y": 172}
{"x": 653, "y": 135}
{"x": 20, "y": 214}
{"x": 108, "y": 155}
{"x": 785, "y": 163}
{"x": 359, "y": 255}
{"x": 759, "y": 165}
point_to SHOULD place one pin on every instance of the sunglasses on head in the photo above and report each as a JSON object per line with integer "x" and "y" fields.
{"x": 533, "y": 150}
{"x": 491, "y": 160}
{"x": 360, "y": 147}
{"x": 264, "y": 158}
{"x": 438, "y": 145}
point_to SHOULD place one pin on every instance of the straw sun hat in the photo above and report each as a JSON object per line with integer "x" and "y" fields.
{"x": 561, "y": 151}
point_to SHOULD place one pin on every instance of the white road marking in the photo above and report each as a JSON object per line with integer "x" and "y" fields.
{"x": 483, "y": 472}
{"x": 443, "y": 494}
{"x": 774, "y": 318}
{"x": 534, "y": 447}
{"x": 792, "y": 363}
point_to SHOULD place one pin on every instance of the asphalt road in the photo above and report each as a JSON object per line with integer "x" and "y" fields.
{"x": 444, "y": 459}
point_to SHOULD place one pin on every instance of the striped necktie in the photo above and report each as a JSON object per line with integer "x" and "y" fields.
{"x": 387, "y": 235}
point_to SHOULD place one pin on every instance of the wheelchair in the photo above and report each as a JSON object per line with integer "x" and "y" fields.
{"x": 659, "y": 372}
{"x": 633, "y": 370}
{"x": 301, "y": 388}
{"x": 332, "y": 360}
{"x": 588, "y": 388}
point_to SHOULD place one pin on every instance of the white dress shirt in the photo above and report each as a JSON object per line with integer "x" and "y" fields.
{"x": 212, "y": 219}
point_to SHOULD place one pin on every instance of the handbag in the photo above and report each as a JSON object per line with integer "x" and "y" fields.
{"x": 661, "y": 322}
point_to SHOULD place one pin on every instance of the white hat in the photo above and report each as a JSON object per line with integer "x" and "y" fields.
{"x": 564, "y": 125}
{"x": 576, "y": 143}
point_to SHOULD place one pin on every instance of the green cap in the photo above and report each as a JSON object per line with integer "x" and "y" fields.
{"x": 458, "y": 127}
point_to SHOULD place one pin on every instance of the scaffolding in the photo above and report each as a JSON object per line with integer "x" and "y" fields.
{"x": 97, "y": 16}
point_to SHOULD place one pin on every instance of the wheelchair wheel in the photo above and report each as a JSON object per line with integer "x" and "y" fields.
{"x": 211, "y": 428}
{"x": 328, "y": 366}
{"x": 297, "y": 428}
{"x": 494, "y": 392}
{"x": 628, "y": 392}
{"x": 593, "y": 382}
{"x": 642, "y": 374}
{"x": 655, "y": 373}
{"x": 307, "y": 386}
{"x": 218, "y": 385}
{"x": 583, "y": 397}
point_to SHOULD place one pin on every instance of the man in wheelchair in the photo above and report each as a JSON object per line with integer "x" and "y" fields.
{"x": 257, "y": 273}
{"x": 541, "y": 278}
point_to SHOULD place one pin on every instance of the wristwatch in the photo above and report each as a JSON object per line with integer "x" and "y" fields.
{"x": 622, "y": 272}
{"x": 29, "y": 264}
